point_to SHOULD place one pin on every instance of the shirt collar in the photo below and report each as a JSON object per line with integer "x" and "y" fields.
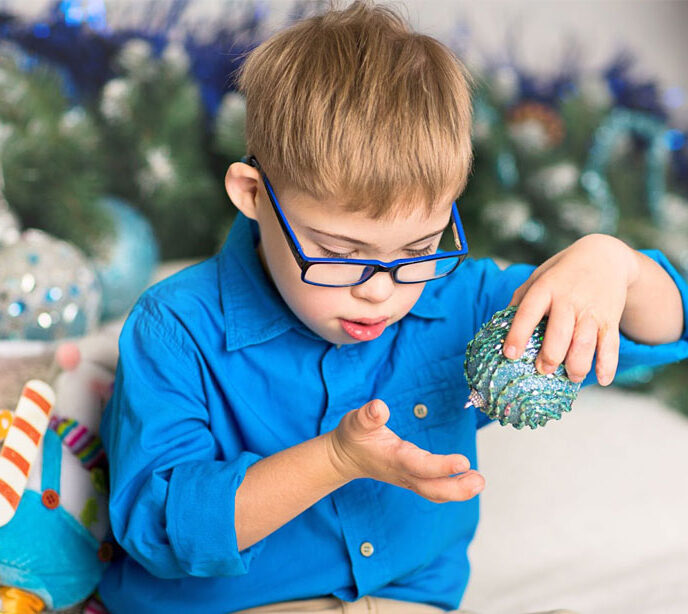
{"x": 253, "y": 309}
{"x": 430, "y": 306}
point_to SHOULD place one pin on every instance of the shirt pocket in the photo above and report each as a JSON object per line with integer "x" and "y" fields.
{"x": 436, "y": 420}
{"x": 434, "y": 417}
{"x": 436, "y": 396}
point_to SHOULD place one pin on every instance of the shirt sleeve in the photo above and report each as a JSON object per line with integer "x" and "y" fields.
{"x": 172, "y": 492}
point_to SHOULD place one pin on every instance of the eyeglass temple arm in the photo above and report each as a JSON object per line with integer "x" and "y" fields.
{"x": 457, "y": 230}
{"x": 252, "y": 161}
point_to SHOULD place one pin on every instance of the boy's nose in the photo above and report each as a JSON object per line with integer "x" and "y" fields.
{"x": 376, "y": 290}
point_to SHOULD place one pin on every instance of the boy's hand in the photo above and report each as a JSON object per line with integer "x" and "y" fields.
{"x": 583, "y": 290}
{"x": 363, "y": 447}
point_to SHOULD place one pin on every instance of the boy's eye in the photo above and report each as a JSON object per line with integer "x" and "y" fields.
{"x": 426, "y": 251}
{"x": 412, "y": 253}
{"x": 330, "y": 254}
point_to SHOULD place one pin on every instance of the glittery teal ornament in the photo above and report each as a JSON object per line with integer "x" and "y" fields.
{"x": 512, "y": 391}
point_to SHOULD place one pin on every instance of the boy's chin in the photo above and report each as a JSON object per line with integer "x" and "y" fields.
{"x": 337, "y": 338}
{"x": 333, "y": 334}
{"x": 338, "y": 334}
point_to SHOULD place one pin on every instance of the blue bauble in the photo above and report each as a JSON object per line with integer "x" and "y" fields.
{"x": 124, "y": 260}
{"x": 513, "y": 391}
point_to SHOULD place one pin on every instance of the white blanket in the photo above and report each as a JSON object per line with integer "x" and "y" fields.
{"x": 589, "y": 513}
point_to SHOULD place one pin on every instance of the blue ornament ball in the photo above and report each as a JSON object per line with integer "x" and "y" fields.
{"x": 513, "y": 391}
{"x": 125, "y": 260}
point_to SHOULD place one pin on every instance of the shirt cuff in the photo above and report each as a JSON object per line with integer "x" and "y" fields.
{"x": 200, "y": 517}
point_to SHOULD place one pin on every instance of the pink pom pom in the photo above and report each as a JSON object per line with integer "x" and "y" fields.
{"x": 68, "y": 356}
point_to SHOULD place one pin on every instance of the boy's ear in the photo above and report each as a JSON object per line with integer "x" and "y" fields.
{"x": 241, "y": 183}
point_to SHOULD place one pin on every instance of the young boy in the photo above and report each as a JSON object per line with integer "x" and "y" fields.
{"x": 288, "y": 422}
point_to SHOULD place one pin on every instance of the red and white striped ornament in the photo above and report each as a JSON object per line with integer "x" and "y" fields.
{"x": 20, "y": 448}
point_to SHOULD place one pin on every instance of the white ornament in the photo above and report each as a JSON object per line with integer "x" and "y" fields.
{"x": 176, "y": 57}
{"x": 530, "y": 135}
{"x": 556, "y": 180}
{"x": 158, "y": 171}
{"x": 507, "y": 217}
{"x": 73, "y": 120}
{"x": 135, "y": 57}
{"x": 505, "y": 84}
{"x": 114, "y": 104}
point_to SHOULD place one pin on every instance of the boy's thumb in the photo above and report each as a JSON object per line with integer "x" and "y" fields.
{"x": 376, "y": 413}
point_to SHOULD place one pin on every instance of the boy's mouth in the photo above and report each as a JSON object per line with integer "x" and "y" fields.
{"x": 364, "y": 329}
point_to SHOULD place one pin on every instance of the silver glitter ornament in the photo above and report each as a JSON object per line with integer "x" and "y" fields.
{"x": 48, "y": 290}
{"x": 513, "y": 391}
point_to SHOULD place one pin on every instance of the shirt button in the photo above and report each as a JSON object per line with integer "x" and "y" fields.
{"x": 420, "y": 410}
{"x": 367, "y": 549}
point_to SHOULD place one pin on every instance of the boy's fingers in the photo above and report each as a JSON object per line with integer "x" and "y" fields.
{"x": 582, "y": 350}
{"x": 558, "y": 333}
{"x": 518, "y": 293}
{"x": 607, "y": 354}
{"x": 535, "y": 304}
{"x": 420, "y": 463}
{"x": 370, "y": 416}
{"x": 441, "y": 490}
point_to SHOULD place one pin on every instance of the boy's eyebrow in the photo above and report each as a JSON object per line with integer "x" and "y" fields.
{"x": 363, "y": 243}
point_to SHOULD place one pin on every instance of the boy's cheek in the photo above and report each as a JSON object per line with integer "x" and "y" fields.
{"x": 313, "y": 304}
{"x": 412, "y": 296}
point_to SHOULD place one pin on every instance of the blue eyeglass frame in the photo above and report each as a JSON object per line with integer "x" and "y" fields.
{"x": 375, "y": 266}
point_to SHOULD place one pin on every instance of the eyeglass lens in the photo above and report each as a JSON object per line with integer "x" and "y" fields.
{"x": 343, "y": 274}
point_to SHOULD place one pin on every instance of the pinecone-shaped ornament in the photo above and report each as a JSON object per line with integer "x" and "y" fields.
{"x": 513, "y": 391}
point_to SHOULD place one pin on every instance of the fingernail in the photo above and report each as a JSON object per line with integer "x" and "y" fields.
{"x": 545, "y": 367}
{"x": 476, "y": 486}
{"x": 510, "y": 351}
{"x": 460, "y": 467}
{"x": 372, "y": 412}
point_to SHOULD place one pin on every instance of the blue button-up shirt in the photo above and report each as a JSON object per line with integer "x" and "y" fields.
{"x": 216, "y": 373}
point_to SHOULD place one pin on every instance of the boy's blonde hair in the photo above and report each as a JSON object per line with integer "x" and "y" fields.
{"x": 352, "y": 105}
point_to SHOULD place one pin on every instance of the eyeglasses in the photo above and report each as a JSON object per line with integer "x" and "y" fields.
{"x": 343, "y": 272}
